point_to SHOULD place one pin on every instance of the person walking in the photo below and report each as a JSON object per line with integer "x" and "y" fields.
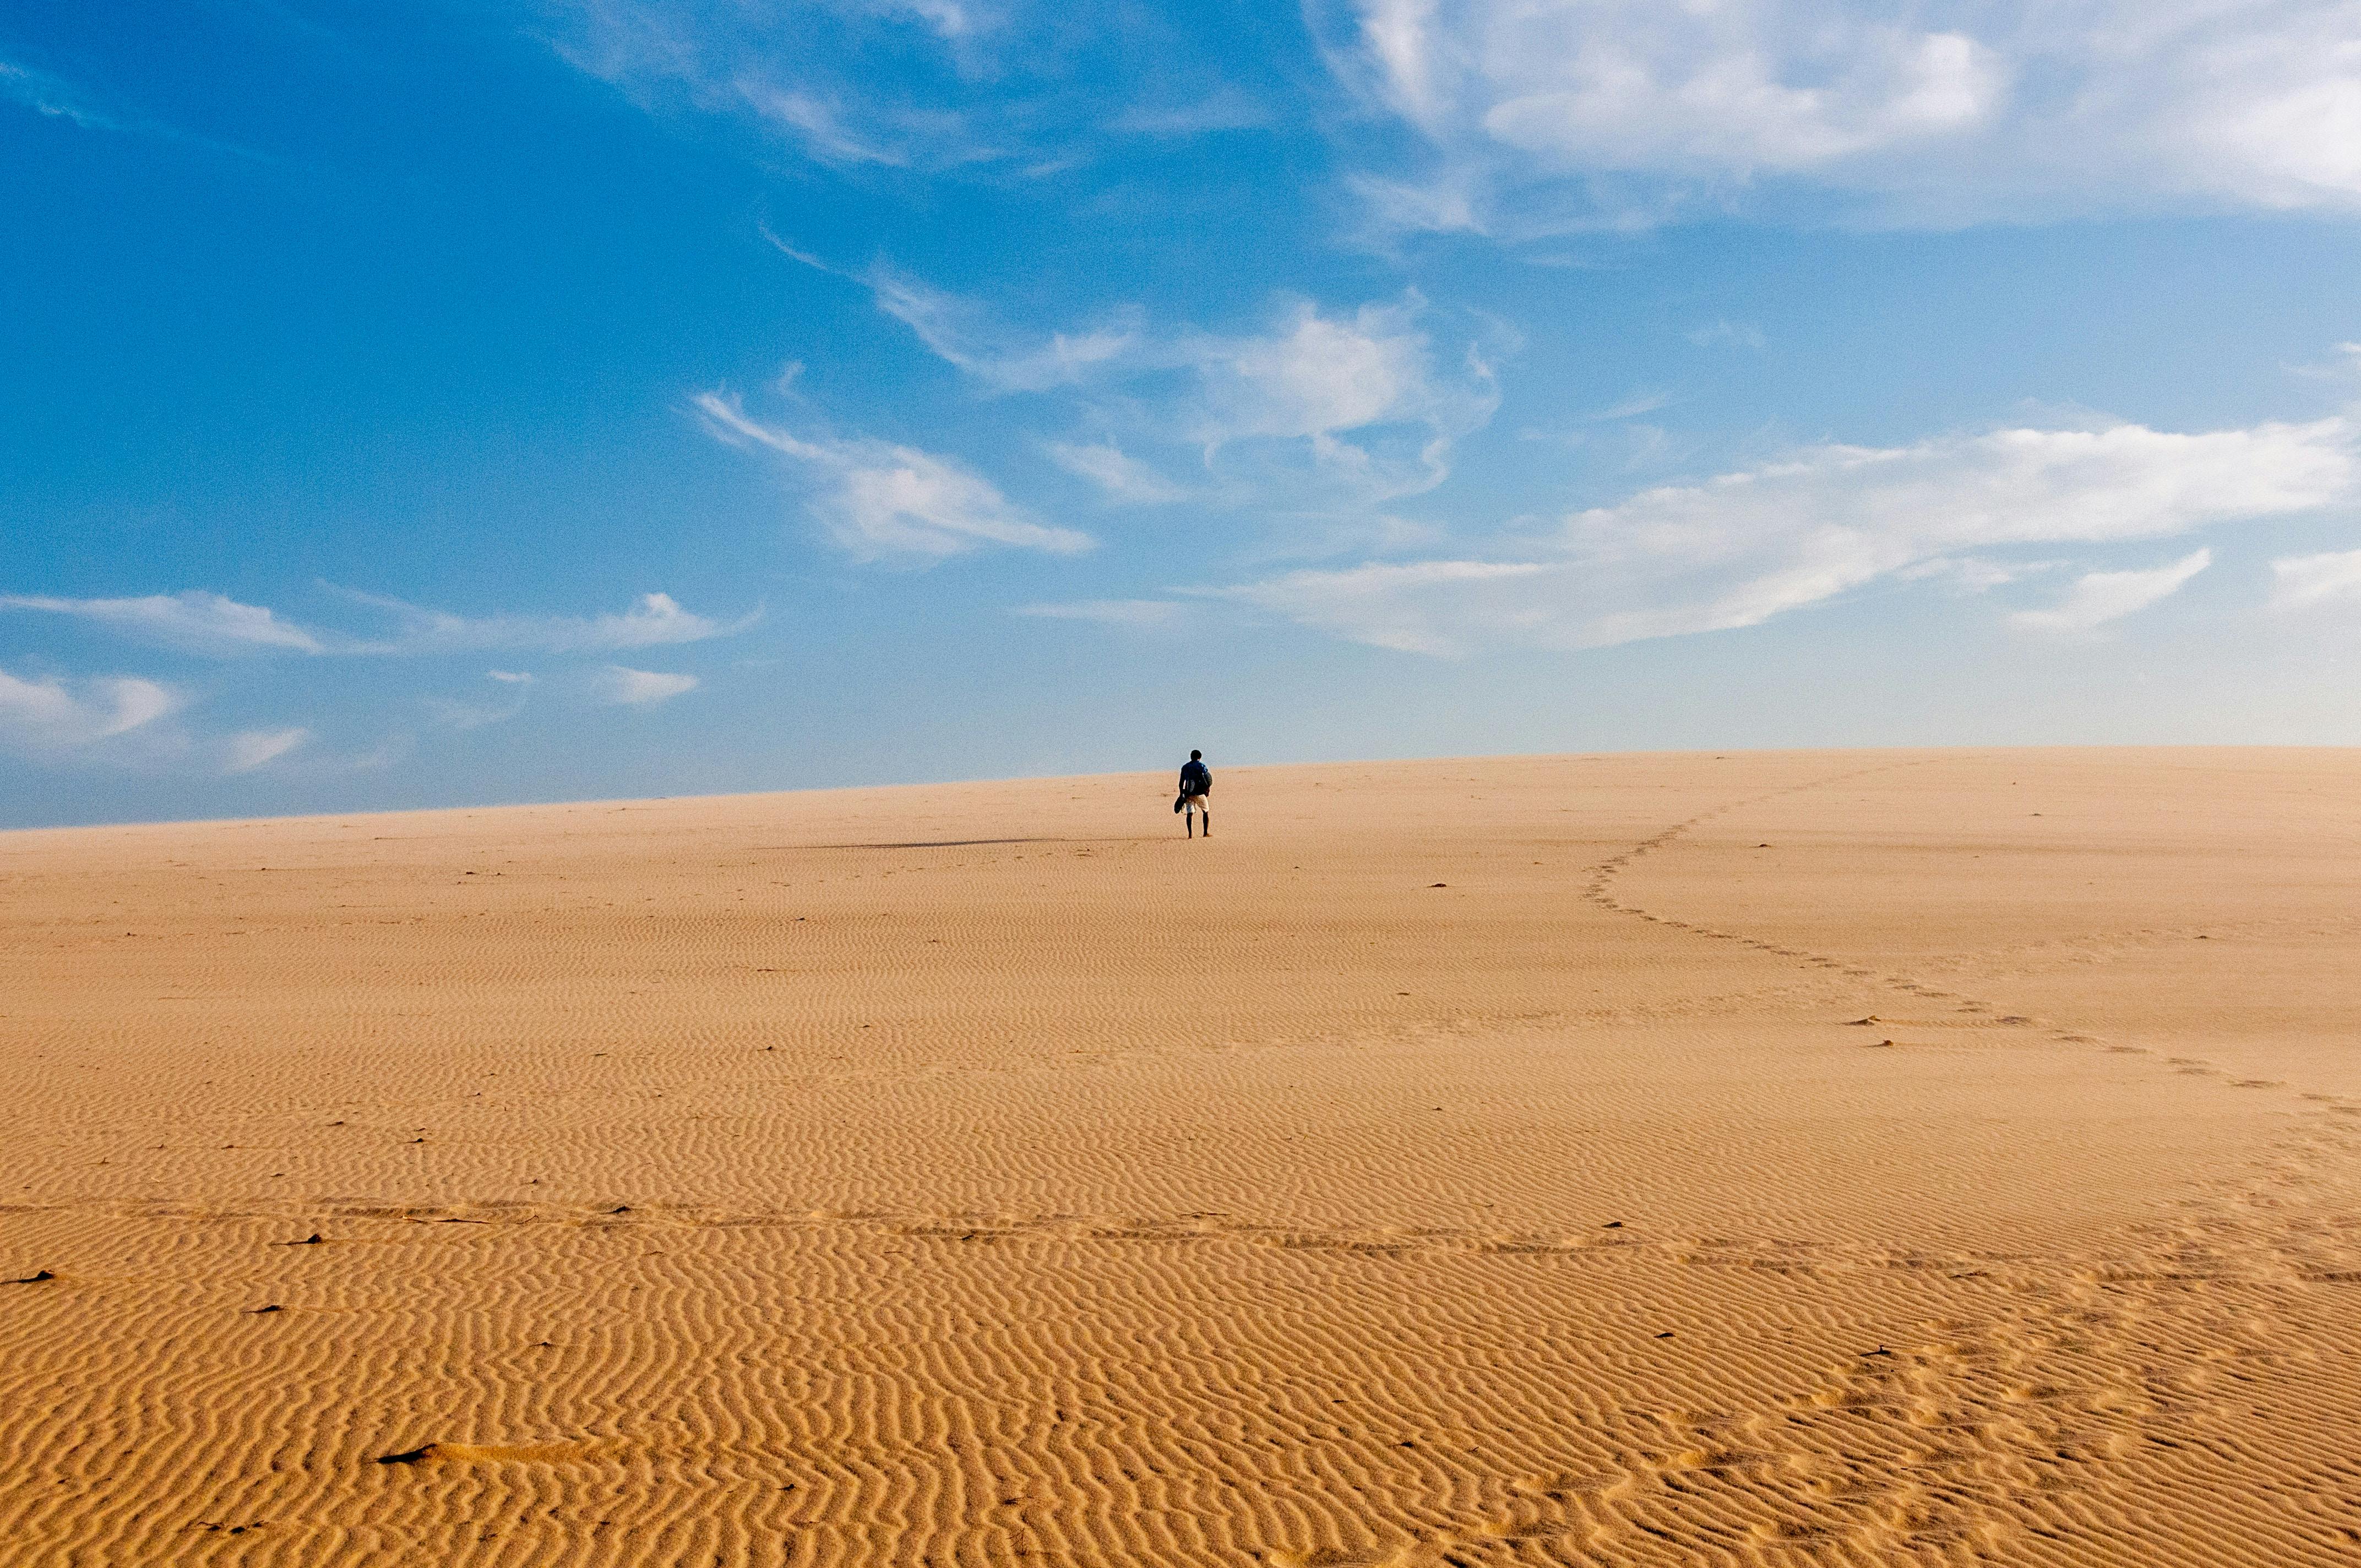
{"x": 1196, "y": 789}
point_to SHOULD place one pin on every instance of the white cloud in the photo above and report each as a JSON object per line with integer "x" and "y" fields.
{"x": 125, "y": 721}
{"x": 1700, "y": 91}
{"x": 195, "y": 621}
{"x": 461, "y": 715}
{"x": 47, "y": 96}
{"x": 2098, "y": 597}
{"x": 54, "y": 98}
{"x": 1318, "y": 379}
{"x": 640, "y": 688}
{"x": 819, "y": 126}
{"x": 1446, "y": 201}
{"x": 1632, "y": 407}
{"x": 2305, "y": 582}
{"x": 1422, "y": 607}
{"x": 804, "y": 75}
{"x": 882, "y": 499}
{"x": 1123, "y": 478}
{"x": 254, "y": 747}
{"x": 1226, "y": 109}
{"x": 1315, "y": 376}
{"x": 653, "y": 620}
{"x": 1561, "y": 113}
{"x": 55, "y": 715}
{"x": 198, "y": 621}
{"x": 948, "y": 18}
{"x": 955, "y": 332}
{"x": 1741, "y": 548}
{"x": 1973, "y": 574}
{"x": 1141, "y": 613}
{"x": 1726, "y": 335}
{"x": 1313, "y": 379}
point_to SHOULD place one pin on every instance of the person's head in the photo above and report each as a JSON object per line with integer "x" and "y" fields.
{"x": 1196, "y": 756}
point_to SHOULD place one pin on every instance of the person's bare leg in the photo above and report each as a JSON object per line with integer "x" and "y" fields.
{"x": 1209, "y": 822}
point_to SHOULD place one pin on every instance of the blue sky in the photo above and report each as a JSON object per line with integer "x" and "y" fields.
{"x": 419, "y": 404}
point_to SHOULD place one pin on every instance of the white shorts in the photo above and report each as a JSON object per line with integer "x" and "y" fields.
{"x": 1197, "y": 803}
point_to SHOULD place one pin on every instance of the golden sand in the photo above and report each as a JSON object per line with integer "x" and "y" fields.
{"x": 1769, "y": 1158}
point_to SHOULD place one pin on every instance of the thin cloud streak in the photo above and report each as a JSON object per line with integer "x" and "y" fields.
{"x": 879, "y": 499}
{"x": 199, "y": 621}
{"x": 2098, "y": 597}
{"x": 259, "y": 748}
{"x": 1226, "y": 109}
{"x": 1124, "y": 479}
{"x": 2310, "y": 582}
{"x": 653, "y": 620}
{"x": 627, "y": 688}
{"x": 1143, "y": 614}
{"x": 53, "y": 98}
{"x": 194, "y": 621}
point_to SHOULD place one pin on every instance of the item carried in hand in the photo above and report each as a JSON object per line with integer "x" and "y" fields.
{"x": 1179, "y": 801}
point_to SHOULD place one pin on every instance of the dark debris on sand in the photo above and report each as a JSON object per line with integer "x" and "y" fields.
{"x": 409, "y": 1457}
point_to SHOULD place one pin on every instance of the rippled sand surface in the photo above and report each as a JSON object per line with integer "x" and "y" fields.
{"x": 1778, "y": 1158}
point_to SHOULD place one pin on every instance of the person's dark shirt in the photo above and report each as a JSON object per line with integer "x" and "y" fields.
{"x": 1196, "y": 778}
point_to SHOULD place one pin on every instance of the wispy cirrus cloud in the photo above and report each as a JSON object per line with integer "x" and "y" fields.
{"x": 1727, "y": 335}
{"x": 2099, "y": 598}
{"x": 1124, "y": 478}
{"x": 460, "y": 714}
{"x": 200, "y": 621}
{"x": 55, "y": 98}
{"x": 873, "y": 88}
{"x": 252, "y": 749}
{"x": 809, "y": 76}
{"x": 626, "y": 687}
{"x": 1417, "y": 606}
{"x": 653, "y": 620}
{"x": 957, "y": 332}
{"x": 52, "y": 96}
{"x": 125, "y": 723}
{"x": 194, "y": 621}
{"x": 962, "y": 334}
{"x": 51, "y": 715}
{"x": 1224, "y": 109}
{"x": 1139, "y": 614}
{"x": 1365, "y": 395}
{"x": 2310, "y": 582}
{"x": 1743, "y": 547}
{"x": 879, "y": 499}
{"x": 823, "y": 127}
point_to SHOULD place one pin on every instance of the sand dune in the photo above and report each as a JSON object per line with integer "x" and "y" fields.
{"x": 1778, "y": 1158}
